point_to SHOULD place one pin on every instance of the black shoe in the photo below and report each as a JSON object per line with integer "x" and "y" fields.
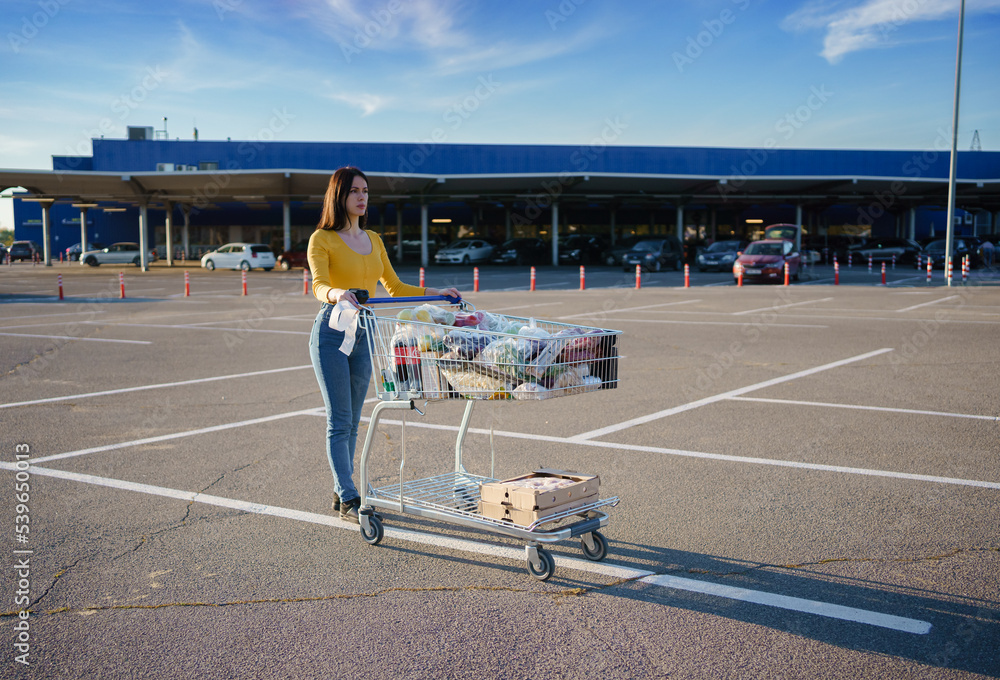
{"x": 349, "y": 510}
{"x": 336, "y": 502}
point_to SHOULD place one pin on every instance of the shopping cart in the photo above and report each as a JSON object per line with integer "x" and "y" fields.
{"x": 419, "y": 353}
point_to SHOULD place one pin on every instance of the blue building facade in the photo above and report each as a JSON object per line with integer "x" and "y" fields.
{"x": 705, "y": 188}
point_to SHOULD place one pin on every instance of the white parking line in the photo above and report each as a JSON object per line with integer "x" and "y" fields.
{"x": 925, "y": 304}
{"x": 583, "y": 436}
{"x": 776, "y": 462}
{"x": 716, "y": 323}
{"x": 628, "y": 309}
{"x": 438, "y": 541}
{"x": 776, "y": 307}
{"x": 152, "y": 387}
{"x": 198, "y": 328}
{"x": 833, "y": 611}
{"x": 35, "y": 316}
{"x": 866, "y": 408}
{"x": 77, "y": 337}
{"x": 174, "y": 435}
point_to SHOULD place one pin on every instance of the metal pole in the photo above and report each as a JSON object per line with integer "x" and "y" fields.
{"x": 143, "y": 224}
{"x": 954, "y": 144}
{"x": 83, "y": 230}
{"x": 424, "y": 230}
{"x": 168, "y": 226}
{"x": 555, "y": 234}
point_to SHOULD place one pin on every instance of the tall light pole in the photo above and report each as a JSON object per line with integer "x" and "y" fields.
{"x": 954, "y": 146}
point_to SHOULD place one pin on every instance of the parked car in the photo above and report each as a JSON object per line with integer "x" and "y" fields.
{"x": 125, "y": 252}
{"x": 465, "y": 251}
{"x": 582, "y": 249}
{"x": 523, "y": 251}
{"x": 412, "y": 248}
{"x": 765, "y": 261}
{"x": 883, "y": 250}
{"x": 720, "y": 255}
{"x": 73, "y": 252}
{"x": 960, "y": 247}
{"x": 295, "y": 257}
{"x": 788, "y": 232}
{"x": 24, "y": 250}
{"x": 838, "y": 246}
{"x": 693, "y": 246}
{"x": 614, "y": 254}
{"x": 654, "y": 254}
{"x": 245, "y": 256}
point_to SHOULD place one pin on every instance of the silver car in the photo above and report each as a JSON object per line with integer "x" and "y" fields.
{"x": 245, "y": 256}
{"x": 465, "y": 251}
{"x": 116, "y": 253}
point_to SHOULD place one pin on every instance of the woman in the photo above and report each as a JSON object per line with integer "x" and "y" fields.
{"x": 343, "y": 255}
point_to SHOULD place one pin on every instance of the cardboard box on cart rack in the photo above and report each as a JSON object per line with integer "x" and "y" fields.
{"x": 541, "y": 489}
{"x": 525, "y": 518}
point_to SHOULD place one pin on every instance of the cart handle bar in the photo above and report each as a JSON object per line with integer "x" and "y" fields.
{"x": 415, "y": 298}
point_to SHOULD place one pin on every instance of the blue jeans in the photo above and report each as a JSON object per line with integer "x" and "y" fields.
{"x": 343, "y": 382}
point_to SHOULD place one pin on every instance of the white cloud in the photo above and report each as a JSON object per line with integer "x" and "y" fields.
{"x": 368, "y": 103}
{"x": 385, "y": 26}
{"x": 854, "y": 27}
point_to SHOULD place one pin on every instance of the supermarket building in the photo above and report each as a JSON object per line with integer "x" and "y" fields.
{"x": 191, "y": 195}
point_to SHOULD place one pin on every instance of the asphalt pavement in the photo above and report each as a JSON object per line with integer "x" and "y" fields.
{"x": 808, "y": 483}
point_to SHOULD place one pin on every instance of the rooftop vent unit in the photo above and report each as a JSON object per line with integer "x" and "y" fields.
{"x": 139, "y": 133}
{"x": 164, "y": 167}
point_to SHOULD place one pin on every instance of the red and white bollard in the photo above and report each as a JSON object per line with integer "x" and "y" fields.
{"x": 638, "y": 277}
{"x": 687, "y": 276}
{"x": 244, "y": 282}
{"x": 475, "y": 279}
{"x": 739, "y": 275}
{"x": 60, "y": 257}
{"x": 930, "y": 263}
{"x": 965, "y": 269}
{"x": 836, "y": 272}
{"x": 947, "y": 271}
{"x": 848, "y": 260}
{"x": 305, "y": 281}
{"x": 883, "y": 273}
{"x": 894, "y": 260}
{"x": 60, "y": 287}
{"x": 187, "y": 285}
{"x": 421, "y": 284}
{"x": 786, "y": 273}
{"x": 583, "y": 278}
{"x": 869, "y": 264}
{"x": 532, "y": 278}
{"x": 121, "y": 284}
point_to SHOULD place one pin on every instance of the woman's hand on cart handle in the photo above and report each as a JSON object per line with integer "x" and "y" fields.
{"x": 335, "y": 295}
{"x": 450, "y": 292}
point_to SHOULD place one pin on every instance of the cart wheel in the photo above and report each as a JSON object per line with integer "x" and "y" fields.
{"x": 548, "y": 566}
{"x": 373, "y": 537}
{"x": 600, "y": 550}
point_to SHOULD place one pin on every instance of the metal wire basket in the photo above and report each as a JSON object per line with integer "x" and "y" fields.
{"x": 451, "y": 351}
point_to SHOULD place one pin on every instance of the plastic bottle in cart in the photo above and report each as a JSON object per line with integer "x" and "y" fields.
{"x": 407, "y": 360}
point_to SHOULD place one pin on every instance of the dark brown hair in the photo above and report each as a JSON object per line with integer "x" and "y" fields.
{"x": 335, "y": 202}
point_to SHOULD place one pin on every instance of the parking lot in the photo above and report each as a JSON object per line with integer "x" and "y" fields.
{"x": 808, "y": 479}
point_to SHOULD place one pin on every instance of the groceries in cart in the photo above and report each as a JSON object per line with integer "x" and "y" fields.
{"x": 541, "y": 495}
{"x": 436, "y": 353}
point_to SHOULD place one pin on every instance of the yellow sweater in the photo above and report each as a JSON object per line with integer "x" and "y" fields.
{"x": 335, "y": 265}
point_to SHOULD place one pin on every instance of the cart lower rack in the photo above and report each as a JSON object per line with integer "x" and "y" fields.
{"x": 415, "y": 357}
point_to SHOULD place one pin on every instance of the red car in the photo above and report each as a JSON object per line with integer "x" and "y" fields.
{"x": 296, "y": 257}
{"x": 765, "y": 261}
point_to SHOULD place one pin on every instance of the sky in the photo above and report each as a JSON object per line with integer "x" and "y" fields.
{"x": 858, "y": 74}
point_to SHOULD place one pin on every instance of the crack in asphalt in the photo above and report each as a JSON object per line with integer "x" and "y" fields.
{"x": 62, "y": 572}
